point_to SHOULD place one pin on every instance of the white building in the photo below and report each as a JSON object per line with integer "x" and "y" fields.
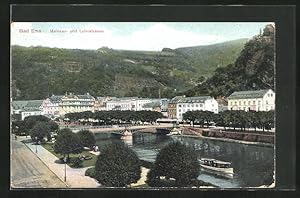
{"x": 71, "y": 103}
{"x": 121, "y": 104}
{"x": 26, "y": 108}
{"x": 204, "y": 103}
{"x": 56, "y": 106}
{"x": 257, "y": 100}
{"x": 51, "y": 106}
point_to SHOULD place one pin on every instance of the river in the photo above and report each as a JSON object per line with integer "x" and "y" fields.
{"x": 253, "y": 165}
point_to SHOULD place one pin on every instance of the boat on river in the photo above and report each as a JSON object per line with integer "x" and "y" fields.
{"x": 216, "y": 165}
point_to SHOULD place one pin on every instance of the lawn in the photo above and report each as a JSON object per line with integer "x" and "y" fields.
{"x": 85, "y": 163}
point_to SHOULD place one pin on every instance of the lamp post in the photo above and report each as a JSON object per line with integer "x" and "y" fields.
{"x": 36, "y": 144}
{"x": 65, "y": 160}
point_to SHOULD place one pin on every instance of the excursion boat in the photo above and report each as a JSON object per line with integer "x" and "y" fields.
{"x": 216, "y": 165}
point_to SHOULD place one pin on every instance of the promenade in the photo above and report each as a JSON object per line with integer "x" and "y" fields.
{"x": 75, "y": 176}
{"x": 27, "y": 171}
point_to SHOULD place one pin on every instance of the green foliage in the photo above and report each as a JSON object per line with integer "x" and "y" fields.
{"x": 116, "y": 117}
{"x": 235, "y": 119}
{"x": 118, "y": 166}
{"x": 67, "y": 142}
{"x": 40, "y": 130}
{"x": 90, "y": 172}
{"x": 175, "y": 161}
{"x": 77, "y": 163}
{"x": 199, "y": 117}
{"x": 37, "y": 71}
{"x": 253, "y": 69}
{"x": 30, "y": 121}
{"x": 87, "y": 138}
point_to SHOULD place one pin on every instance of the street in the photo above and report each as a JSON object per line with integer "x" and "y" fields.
{"x": 27, "y": 171}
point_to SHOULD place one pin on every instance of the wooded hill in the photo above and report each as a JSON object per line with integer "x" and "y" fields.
{"x": 252, "y": 70}
{"x": 38, "y": 72}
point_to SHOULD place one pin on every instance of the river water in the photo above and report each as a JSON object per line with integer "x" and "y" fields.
{"x": 253, "y": 165}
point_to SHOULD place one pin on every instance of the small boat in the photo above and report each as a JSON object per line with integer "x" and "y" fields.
{"x": 216, "y": 165}
{"x": 175, "y": 131}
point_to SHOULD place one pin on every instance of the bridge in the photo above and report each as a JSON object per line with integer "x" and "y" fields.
{"x": 133, "y": 129}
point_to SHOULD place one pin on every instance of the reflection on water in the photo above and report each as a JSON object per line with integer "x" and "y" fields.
{"x": 253, "y": 165}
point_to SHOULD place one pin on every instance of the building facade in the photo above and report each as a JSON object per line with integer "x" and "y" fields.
{"x": 256, "y": 100}
{"x": 25, "y": 108}
{"x": 201, "y": 103}
{"x": 172, "y": 107}
{"x": 56, "y": 106}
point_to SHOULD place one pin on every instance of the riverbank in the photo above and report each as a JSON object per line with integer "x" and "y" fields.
{"x": 202, "y": 133}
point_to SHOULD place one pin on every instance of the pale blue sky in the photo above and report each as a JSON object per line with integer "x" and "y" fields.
{"x": 131, "y": 36}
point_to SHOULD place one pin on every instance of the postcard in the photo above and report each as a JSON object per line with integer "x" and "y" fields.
{"x": 143, "y": 105}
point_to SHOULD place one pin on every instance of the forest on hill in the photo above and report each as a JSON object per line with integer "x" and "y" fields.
{"x": 38, "y": 72}
{"x": 253, "y": 69}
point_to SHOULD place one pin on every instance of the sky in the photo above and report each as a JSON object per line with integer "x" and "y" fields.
{"x": 147, "y": 36}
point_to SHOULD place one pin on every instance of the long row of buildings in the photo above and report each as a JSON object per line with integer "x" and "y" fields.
{"x": 58, "y": 106}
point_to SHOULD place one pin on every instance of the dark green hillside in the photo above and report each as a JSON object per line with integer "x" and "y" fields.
{"x": 253, "y": 69}
{"x": 38, "y": 72}
{"x": 207, "y": 58}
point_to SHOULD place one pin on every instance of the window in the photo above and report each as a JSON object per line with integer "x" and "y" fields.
{"x": 271, "y": 95}
{"x": 239, "y": 102}
{"x": 201, "y": 105}
{"x": 244, "y": 102}
{"x": 254, "y": 102}
{"x": 235, "y": 102}
{"x": 183, "y": 105}
{"x": 259, "y": 102}
{"x": 266, "y": 102}
{"x": 179, "y": 105}
{"x": 196, "y": 105}
{"x": 179, "y": 110}
{"x": 249, "y": 102}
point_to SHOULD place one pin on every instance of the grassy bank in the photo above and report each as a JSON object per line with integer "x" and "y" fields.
{"x": 85, "y": 163}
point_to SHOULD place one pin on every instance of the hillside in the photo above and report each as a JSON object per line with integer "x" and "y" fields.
{"x": 252, "y": 70}
{"x": 38, "y": 72}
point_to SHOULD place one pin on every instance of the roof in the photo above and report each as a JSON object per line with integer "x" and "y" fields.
{"x": 248, "y": 94}
{"x": 176, "y": 98}
{"x": 193, "y": 99}
{"x": 19, "y": 104}
{"x": 86, "y": 96}
{"x": 54, "y": 98}
{"x": 151, "y": 105}
{"x": 33, "y": 104}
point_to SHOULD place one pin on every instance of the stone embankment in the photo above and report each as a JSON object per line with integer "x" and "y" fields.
{"x": 242, "y": 137}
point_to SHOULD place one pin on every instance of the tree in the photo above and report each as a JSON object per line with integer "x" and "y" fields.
{"x": 67, "y": 142}
{"x": 175, "y": 161}
{"x": 117, "y": 166}
{"x": 40, "y": 130}
{"x": 30, "y": 121}
{"x": 87, "y": 138}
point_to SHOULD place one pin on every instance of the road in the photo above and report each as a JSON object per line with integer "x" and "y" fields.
{"x": 27, "y": 171}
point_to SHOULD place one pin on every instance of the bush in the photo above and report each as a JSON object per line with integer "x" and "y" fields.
{"x": 77, "y": 163}
{"x": 87, "y": 138}
{"x": 90, "y": 172}
{"x": 147, "y": 164}
{"x": 67, "y": 142}
{"x": 118, "y": 166}
{"x": 175, "y": 161}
